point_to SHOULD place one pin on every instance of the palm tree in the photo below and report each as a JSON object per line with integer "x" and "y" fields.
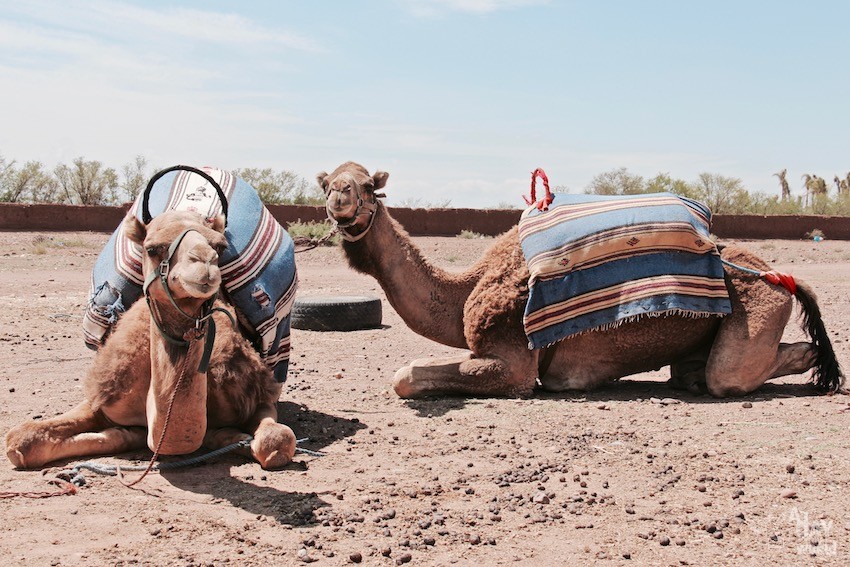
{"x": 783, "y": 183}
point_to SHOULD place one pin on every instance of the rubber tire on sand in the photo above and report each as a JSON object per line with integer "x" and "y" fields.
{"x": 336, "y": 313}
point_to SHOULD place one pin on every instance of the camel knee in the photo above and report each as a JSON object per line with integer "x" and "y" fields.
{"x": 273, "y": 445}
{"x": 727, "y": 390}
{"x": 22, "y": 446}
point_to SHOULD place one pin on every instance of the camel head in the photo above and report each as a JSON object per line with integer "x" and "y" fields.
{"x": 351, "y": 198}
{"x": 193, "y": 272}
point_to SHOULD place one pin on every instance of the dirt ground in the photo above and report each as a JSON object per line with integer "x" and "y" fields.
{"x": 633, "y": 474}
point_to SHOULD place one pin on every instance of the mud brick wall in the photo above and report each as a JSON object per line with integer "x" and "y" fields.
{"x": 418, "y": 222}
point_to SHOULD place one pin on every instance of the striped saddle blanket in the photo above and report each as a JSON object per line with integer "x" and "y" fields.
{"x": 596, "y": 262}
{"x": 257, "y": 269}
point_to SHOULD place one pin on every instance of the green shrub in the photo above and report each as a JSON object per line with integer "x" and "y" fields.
{"x": 312, "y": 231}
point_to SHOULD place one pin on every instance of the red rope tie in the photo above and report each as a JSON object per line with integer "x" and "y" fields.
{"x": 542, "y": 204}
{"x": 778, "y": 278}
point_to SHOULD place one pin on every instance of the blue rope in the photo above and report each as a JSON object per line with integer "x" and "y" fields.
{"x": 742, "y": 268}
{"x": 75, "y": 476}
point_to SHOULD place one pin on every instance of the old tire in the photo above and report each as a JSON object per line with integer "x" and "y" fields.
{"x": 336, "y": 313}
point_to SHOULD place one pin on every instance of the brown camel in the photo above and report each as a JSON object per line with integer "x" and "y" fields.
{"x": 482, "y": 310}
{"x": 153, "y": 361}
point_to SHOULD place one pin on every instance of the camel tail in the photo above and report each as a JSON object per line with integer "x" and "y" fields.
{"x": 827, "y": 375}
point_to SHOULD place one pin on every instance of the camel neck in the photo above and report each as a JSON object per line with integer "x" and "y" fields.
{"x": 428, "y": 299}
{"x": 174, "y": 375}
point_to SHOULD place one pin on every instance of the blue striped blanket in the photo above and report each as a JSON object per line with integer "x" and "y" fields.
{"x": 598, "y": 261}
{"x": 257, "y": 269}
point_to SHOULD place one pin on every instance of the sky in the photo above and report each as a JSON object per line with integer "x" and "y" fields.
{"x": 459, "y": 100}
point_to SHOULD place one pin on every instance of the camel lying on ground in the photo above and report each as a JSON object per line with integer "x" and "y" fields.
{"x": 482, "y": 310}
{"x": 149, "y": 378}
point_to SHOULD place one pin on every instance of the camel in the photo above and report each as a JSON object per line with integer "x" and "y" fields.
{"x": 481, "y": 310}
{"x": 148, "y": 385}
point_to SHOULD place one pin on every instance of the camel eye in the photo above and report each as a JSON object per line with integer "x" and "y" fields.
{"x": 153, "y": 250}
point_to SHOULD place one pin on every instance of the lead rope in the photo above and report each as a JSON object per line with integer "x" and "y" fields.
{"x": 310, "y": 243}
{"x": 772, "y": 276}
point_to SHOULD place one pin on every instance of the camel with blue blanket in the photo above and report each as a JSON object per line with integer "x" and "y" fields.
{"x": 202, "y": 360}
{"x": 176, "y": 373}
{"x": 584, "y": 291}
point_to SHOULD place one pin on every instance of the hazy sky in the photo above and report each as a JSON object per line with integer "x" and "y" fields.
{"x": 457, "y": 99}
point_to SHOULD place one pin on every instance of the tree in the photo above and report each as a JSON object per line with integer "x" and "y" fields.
{"x": 616, "y": 182}
{"x": 135, "y": 176}
{"x": 283, "y": 187}
{"x": 663, "y": 182}
{"x": 29, "y": 183}
{"x": 723, "y": 195}
{"x": 87, "y": 183}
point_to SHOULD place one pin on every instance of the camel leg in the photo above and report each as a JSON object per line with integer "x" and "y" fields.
{"x": 77, "y": 433}
{"x": 688, "y": 373}
{"x": 467, "y": 375}
{"x": 273, "y": 445}
{"x": 746, "y": 351}
{"x": 793, "y": 358}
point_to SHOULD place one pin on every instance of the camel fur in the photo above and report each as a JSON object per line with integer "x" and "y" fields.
{"x": 482, "y": 310}
{"x": 132, "y": 380}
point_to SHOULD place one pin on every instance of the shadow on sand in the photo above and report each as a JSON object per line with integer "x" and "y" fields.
{"x": 623, "y": 390}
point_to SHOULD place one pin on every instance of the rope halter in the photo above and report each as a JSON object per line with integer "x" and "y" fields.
{"x": 364, "y": 207}
{"x": 204, "y": 323}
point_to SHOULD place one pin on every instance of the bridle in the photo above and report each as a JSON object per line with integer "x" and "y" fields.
{"x": 204, "y": 323}
{"x": 363, "y": 207}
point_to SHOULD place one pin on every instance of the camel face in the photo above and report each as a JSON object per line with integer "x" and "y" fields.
{"x": 347, "y": 189}
{"x": 193, "y": 268}
{"x": 195, "y": 271}
{"x": 342, "y": 195}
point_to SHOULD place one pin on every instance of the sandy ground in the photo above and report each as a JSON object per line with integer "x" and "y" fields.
{"x": 633, "y": 474}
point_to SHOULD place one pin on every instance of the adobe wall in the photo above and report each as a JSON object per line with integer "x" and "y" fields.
{"x": 418, "y": 222}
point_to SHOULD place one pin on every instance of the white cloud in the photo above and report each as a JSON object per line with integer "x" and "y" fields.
{"x": 127, "y": 21}
{"x": 430, "y": 8}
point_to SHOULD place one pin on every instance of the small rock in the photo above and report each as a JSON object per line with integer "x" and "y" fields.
{"x": 670, "y": 401}
{"x": 404, "y": 558}
{"x": 356, "y": 557}
{"x": 655, "y": 400}
{"x": 747, "y": 405}
{"x": 540, "y": 498}
{"x": 788, "y": 493}
{"x": 664, "y": 540}
{"x": 789, "y": 468}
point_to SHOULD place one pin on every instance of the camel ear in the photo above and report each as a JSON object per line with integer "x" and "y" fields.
{"x": 134, "y": 229}
{"x": 322, "y": 179}
{"x": 216, "y": 223}
{"x": 380, "y": 179}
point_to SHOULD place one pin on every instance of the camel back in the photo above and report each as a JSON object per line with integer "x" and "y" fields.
{"x": 596, "y": 262}
{"x": 257, "y": 269}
